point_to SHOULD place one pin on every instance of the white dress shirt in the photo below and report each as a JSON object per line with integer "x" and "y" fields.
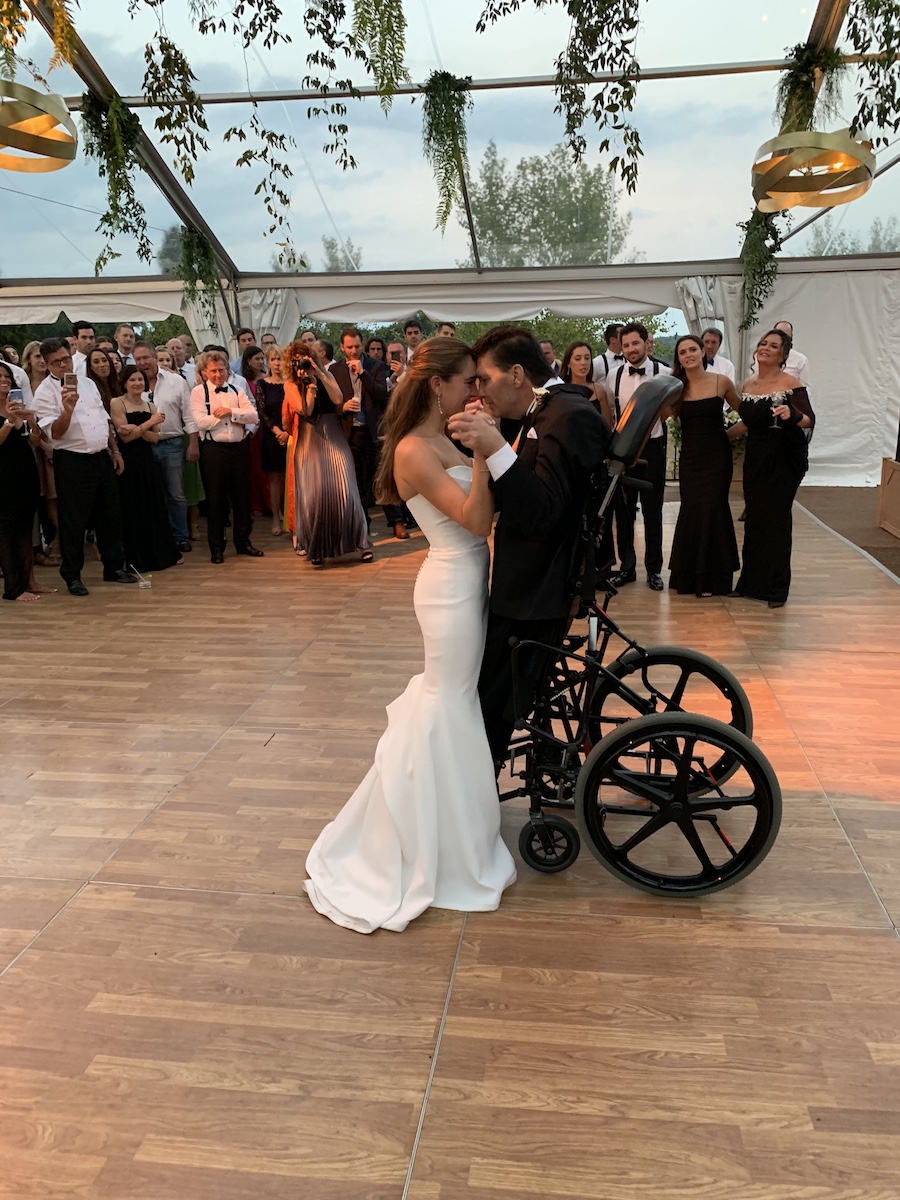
{"x": 88, "y": 431}
{"x": 188, "y": 374}
{"x": 239, "y": 382}
{"x": 23, "y": 383}
{"x": 720, "y": 365}
{"x": 605, "y": 364}
{"x": 223, "y": 429}
{"x": 629, "y": 383}
{"x": 172, "y": 396}
{"x": 79, "y": 363}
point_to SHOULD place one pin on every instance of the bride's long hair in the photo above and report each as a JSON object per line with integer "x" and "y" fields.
{"x": 411, "y": 402}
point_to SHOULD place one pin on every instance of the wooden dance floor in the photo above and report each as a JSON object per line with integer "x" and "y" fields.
{"x": 179, "y": 1024}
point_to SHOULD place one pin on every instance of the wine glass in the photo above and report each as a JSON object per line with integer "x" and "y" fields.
{"x": 775, "y": 402}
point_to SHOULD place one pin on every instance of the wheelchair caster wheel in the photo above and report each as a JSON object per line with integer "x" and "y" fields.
{"x": 555, "y": 851}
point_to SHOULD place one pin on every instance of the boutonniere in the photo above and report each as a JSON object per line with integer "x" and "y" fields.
{"x": 540, "y": 395}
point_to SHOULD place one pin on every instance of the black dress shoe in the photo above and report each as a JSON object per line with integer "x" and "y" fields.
{"x": 216, "y": 558}
{"x": 185, "y": 547}
{"x": 623, "y": 577}
{"x": 77, "y": 588}
{"x": 655, "y": 583}
{"x": 250, "y": 551}
{"x": 119, "y": 577}
{"x": 776, "y": 603}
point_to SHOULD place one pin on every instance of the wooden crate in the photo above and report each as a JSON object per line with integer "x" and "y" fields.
{"x": 889, "y": 502}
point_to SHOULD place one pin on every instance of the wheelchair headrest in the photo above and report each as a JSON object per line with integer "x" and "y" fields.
{"x": 640, "y": 415}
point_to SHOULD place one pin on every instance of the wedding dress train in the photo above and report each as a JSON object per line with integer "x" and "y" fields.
{"x": 423, "y": 827}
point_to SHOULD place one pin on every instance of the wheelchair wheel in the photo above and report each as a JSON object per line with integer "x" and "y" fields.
{"x": 556, "y": 851}
{"x": 653, "y": 816}
{"x": 680, "y": 680}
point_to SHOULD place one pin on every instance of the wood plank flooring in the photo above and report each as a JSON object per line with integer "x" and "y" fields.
{"x": 177, "y": 1023}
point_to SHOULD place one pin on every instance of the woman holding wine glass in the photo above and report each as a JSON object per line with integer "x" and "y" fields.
{"x": 774, "y": 412}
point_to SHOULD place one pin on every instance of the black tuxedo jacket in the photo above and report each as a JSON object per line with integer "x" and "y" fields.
{"x": 374, "y": 390}
{"x": 541, "y": 498}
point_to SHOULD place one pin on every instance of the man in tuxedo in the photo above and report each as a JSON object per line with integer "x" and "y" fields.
{"x": 364, "y": 385}
{"x": 612, "y": 358}
{"x": 713, "y": 360}
{"x": 540, "y": 485}
{"x": 620, "y": 385}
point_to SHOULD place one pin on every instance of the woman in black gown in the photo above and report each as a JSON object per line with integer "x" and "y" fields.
{"x": 704, "y": 550}
{"x": 146, "y": 532}
{"x": 19, "y": 491}
{"x": 775, "y": 410}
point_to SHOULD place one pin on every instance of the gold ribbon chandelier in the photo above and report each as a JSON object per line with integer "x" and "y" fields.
{"x": 36, "y": 132}
{"x": 811, "y": 170}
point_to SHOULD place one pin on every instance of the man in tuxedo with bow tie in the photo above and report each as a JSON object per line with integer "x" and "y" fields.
{"x": 540, "y": 487}
{"x": 612, "y": 358}
{"x": 620, "y": 385}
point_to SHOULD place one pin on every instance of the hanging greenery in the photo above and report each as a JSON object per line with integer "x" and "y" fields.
{"x": 796, "y": 103}
{"x": 197, "y": 265}
{"x": 380, "y": 26}
{"x": 269, "y": 153}
{"x": 762, "y": 241}
{"x": 445, "y": 102}
{"x": 602, "y": 40}
{"x": 169, "y": 84}
{"x": 110, "y": 133}
{"x": 875, "y": 25}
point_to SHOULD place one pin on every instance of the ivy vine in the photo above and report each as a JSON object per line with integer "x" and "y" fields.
{"x": 602, "y": 40}
{"x": 197, "y": 264}
{"x": 380, "y": 26}
{"x": 269, "y": 154}
{"x": 762, "y": 241}
{"x": 110, "y": 134}
{"x": 445, "y": 102}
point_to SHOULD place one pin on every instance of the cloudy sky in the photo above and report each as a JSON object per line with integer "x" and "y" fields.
{"x": 699, "y": 138}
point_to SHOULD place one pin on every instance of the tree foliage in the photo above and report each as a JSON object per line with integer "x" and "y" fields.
{"x": 545, "y": 211}
{"x": 883, "y": 237}
{"x": 340, "y": 256}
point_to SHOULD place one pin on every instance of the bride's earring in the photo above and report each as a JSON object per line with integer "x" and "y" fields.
{"x": 440, "y": 410}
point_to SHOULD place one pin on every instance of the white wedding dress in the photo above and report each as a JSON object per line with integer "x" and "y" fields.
{"x": 423, "y": 827}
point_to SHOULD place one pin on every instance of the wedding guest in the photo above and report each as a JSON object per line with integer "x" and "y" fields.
{"x": 86, "y": 460}
{"x": 376, "y": 347}
{"x": 549, "y": 353}
{"x": 270, "y": 406}
{"x": 637, "y": 367}
{"x": 36, "y": 371}
{"x": 704, "y": 549}
{"x": 99, "y": 367}
{"x": 578, "y": 368}
{"x": 268, "y": 340}
{"x": 12, "y": 355}
{"x": 223, "y": 415}
{"x": 711, "y": 340}
{"x": 308, "y": 337}
{"x": 612, "y": 357}
{"x": 252, "y": 368}
{"x": 165, "y": 358}
{"x": 325, "y": 512}
{"x": 182, "y": 366}
{"x": 146, "y": 532}
{"x": 83, "y": 333}
{"x": 246, "y": 338}
{"x": 125, "y": 339}
{"x": 412, "y": 331}
{"x": 20, "y": 436}
{"x": 118, "y": 364}
{"x": 775, "y": 411}
{"x": 446, "y": 329}
{"x": 323, "y": 353}
{"x": 169, "y": 394}
{"x": 104, "y": 342}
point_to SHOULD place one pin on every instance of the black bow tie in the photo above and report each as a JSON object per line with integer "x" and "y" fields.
{"x": 636, "y": 370}
{"x": 618, "y": 358}
{"x": 228, "y": 389}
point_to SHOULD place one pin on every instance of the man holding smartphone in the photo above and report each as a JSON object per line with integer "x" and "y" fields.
{"x": 86, "y": 460}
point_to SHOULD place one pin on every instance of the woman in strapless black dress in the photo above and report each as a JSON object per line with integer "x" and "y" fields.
{"x": 775, "y": 410}
{"x": 704, "y": 549}
{"x": 146, "y": 532}
{"x": 269, "y": 405}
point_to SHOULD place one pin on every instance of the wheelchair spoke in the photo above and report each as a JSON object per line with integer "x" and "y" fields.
{"x": 692, "y": 837}
{"x": 639, "y": 784}
{"x": 646, "y": 830}
{"x": 723, "y": 802}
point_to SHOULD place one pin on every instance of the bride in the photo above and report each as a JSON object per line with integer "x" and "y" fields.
{"x": 423, "y": 827}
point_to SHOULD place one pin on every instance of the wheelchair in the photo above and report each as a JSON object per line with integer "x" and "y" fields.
{"x": 652, "y": 748}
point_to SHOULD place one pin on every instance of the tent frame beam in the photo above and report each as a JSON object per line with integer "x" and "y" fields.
{"x": 73, "y": 103}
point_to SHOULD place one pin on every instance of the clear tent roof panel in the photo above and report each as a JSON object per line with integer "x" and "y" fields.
{"x": 699, "y": 136}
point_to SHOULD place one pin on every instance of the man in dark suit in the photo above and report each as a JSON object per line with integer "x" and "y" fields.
{"x": 540, "y": 484}
{"x": 364, "y": 385}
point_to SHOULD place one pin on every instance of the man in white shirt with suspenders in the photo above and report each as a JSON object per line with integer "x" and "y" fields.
{"x": 608, "y": 363}
{"x": 620, "y": 385}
